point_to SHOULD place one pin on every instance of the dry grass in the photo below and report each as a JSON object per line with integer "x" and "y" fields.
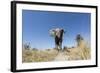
{"x": 39, "y": 55}
{"x": 81, "y": 52}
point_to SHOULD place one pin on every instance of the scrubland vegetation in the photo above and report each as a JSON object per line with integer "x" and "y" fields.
{"x": 79, "y": 52}
{"x": 39, "y": 55}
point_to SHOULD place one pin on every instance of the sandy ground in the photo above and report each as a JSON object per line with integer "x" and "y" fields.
{"x": 61, "y": 57}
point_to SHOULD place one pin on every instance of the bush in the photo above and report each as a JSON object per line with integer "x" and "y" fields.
{"x": 39, "y": 55}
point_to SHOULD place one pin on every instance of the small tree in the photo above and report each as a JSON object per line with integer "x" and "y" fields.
{"x": 34, "y": 49}
{"x": 27, "y": 46}
{"x": 79, "y": 38}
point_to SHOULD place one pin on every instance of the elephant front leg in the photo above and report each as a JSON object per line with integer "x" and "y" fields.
{"x": 60, "y": 45}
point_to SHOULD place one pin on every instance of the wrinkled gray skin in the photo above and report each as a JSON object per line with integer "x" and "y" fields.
{"x": 58, "y": 35}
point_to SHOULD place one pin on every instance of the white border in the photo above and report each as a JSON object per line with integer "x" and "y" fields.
{"x": 21, "y": 65}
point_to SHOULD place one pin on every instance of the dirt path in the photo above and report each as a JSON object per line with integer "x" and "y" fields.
{"x": 61, "y": 57}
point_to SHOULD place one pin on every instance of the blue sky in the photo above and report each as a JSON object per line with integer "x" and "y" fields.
{"x": 36, "y": 26}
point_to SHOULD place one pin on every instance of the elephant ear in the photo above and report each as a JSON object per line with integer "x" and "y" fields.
{"x": 52, "y": 33}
